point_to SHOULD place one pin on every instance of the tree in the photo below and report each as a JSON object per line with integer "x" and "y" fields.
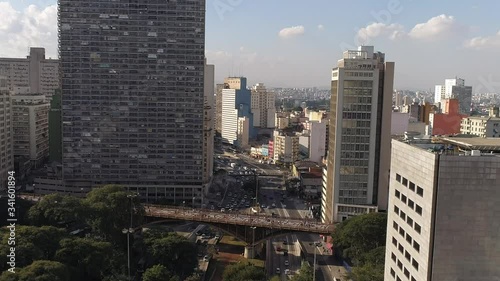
{"x": 275, "y": 278}
{"x": 359, "y": 235}
{"x": 57, "y": 210}
{"x": 241, "y": 271}
{"x": 194, "y": 277}
{"x": 305, "y": 273}
{"x": 88, "y": 259}
{"x": 171, "y": 250}
{"x": 41, "y": 270}
{"x": 159, "y": 273}
{"x": 32, "y": 243}
{"x": 22, "y": 206}
{"x": 367, "y": 273}
{"x": 109, "y": 209}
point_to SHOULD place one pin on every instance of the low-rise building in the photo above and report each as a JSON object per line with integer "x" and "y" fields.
{"x": 482, "y": 126}
{"x": 286, "y": 147}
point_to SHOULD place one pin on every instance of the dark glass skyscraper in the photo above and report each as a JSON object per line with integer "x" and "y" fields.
{"x": 132, "y": 94}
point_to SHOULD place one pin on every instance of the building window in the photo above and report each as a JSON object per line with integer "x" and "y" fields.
{"x": 396, "y": 193}
{"x": 418, "y": 209}
{"x": 393, "y": 273}
{"x": 409, "y": 221}
{"x": 393, "y": 257}
{"x": 407, "y": 256}
{"x": 394, "y": 241}
{"x": 405, "y": 182}
{"x": 401, "y": 249}
{"x": 412, "y": 186}
{"x": 402, "y": 232}
{"x": 408, "y": 238}
{"x": 411, "y": 204}
{"x": 407, "y": 273}
{"x": 416, "y": 246}
{"x": 398, "y": 279}
{"x": 403, "y": 198}
{"x": 395, "y": 225}
{"x": 402, "y": 215}
{"x": 420, "y": 191}
{"x": 415, "y": 264}
{"x": 398, "y": 178}
{"x": 396, "y": 209}
{"x": 400, "y": 265}
{"x": 412, "y": 278}
{"x": 417, "y": 227}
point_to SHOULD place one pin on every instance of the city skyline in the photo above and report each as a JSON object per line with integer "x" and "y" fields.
{"x": 293, "y": 49}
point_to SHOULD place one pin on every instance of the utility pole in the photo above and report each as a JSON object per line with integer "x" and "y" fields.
{"x": 314, "y": 269}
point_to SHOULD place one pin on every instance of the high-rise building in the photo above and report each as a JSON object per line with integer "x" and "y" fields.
{"x": 208, "y": 113}
{"x": 443, "y": 211}
{"x": 6, "y": 135}
{"x": 359, "y": 141}
{"x": 455, "y": 89}
{"x": 34, "y": 74}
{"x": 55, "y": 128}
{"x": 30, "y": 123}
{"x": 218, "y": 106}
{"x": 133, "y": 95}
{"x": 263, "y": 106}
{"x": 236, "y": 102}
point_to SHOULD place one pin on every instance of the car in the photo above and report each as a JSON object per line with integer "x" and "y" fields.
{"x": 278, "y": 271}
{"x": 285, "y": 242}
{"x": 287, "y": 271}
{"x": 287, "y": 263}
{"x": 222, "y": 210}
{"x": 206, "y": 258}
{"x": 217, "y": 236}
{"x": 285, "y": 253}
{"x": 274, "y": 205}
{"x": 263, "y": 206}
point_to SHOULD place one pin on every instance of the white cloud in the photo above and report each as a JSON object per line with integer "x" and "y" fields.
{"x": 321, "y": 27}
{"x": 377, "y": 29}
{"x": 484, "y": 42}
{"x": 33, "y": 27}
{"x": 293, "y": 31}
{"x": 434, "y": 27}
{"x": 218, "y": 55}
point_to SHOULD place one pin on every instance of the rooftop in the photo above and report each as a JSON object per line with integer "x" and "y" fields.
{"x": 474, "y": 143}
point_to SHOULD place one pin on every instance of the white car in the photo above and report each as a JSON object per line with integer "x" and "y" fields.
{"x": 287, "y": 263}
{"x": 287, "y": 271}
{"x": 278, "y": 271}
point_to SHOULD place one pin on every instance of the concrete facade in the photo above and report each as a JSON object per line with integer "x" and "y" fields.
{"x": 263, "y": 106}
{"x": 455, "y": 89}
{"x": 133, "y": 96}
{"x": 482, "y": 126}
{"x": 443, "y": 215}
{"x": 208, "y": 113}
{"x": 30, "y": 122}
{"x": 6, "y": 134}
{"x": 33, "y": 74}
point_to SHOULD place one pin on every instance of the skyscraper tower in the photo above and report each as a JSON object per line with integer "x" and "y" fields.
{"x": 132, "y": 95}
{"x": 359, "y": 142}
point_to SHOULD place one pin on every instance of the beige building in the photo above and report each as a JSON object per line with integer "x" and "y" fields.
{"x": 281, "y": 120}
{"x": 6, "y": 135}
{"x": 30, "y": 122}
{"x": 243, "y": 131}
{"x": 359, "y": 142}
{"x": 443, "y": 212}
{"x": 34, "y": 74}
{"x": 286, "y": 147}
{"x": 209, "y": 132}
{"x": 485, "y": 127}
{"x": 263, "y": 107}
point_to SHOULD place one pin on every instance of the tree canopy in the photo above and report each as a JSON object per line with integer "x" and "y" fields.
{"x": 243, "y": 271}
{"x": 40, "y": 270}
{"x": 57, "y": 210}
{"x": 159, "y": 273}
{"x": 361, "y": 240}
{"x": 305, "y": 273}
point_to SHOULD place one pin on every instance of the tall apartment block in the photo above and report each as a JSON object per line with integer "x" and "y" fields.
{"x": 359, "y": 142}
{"x": 455, "y": 89}
{"x": 443, "y": 211}
{"x": 34, "y": 74}
{"x": 208, "y": 115}
{"x": 6, "y": 135}
{"x": 218, "y": 107}
{"x": 30, "y": 122}
{"x": 133, "y": 95}
{"x": 263, "y": 106}
{"x": 236, "y": 102}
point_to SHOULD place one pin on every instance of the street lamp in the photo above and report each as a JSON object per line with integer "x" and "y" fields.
{"x": 129, "y": 231}
{"x": 253, "y": 240}
{"x": 314, "y": 268}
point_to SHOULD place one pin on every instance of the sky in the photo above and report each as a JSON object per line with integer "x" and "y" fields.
{"x": 296, "y": 43}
